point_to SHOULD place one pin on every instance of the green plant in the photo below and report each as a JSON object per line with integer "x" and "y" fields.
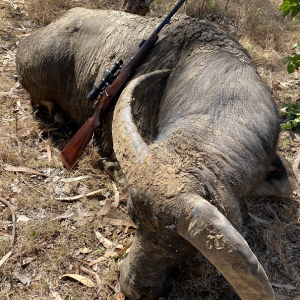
{"x": 293, "y": 62}
{"x": 291, "y": 113}
{"x": 292, "y": 7}
{"x": 212, "y": 3}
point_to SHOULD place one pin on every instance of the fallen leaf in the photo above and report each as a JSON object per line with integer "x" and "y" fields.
{"x": 105, "y": 209}
{"x": 117, "y": 222}
{"x": 22, "y": 278}
{"x": 80, "y": 196}
{"x": 5, "y": 258}
{"x": 22, "y": 218}
{"x": 82, "y": 279}
{"x": 124, "y": 250}
{"x": 27, "y": 260}
{"x": 48, "y": 148}
{"x": 124, "y": 196}
{"x": 129, "y": 229}
{"x": 117, "y": 196}
{"x": 92, "y": 273}
{"x": 66, "y": 215}
{"x": 74, "y": 179}
{"x": 107, "y": 243}
{"x": 85, "y": 250}
{"x": 56, "y": 295}
{"x": 103, "y": 258}
{"x": 259, "y": 220}
{"x": 285, "y": 286}
{"x": 23, "y": 170}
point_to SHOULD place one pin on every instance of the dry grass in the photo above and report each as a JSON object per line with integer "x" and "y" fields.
{"x": 48, "y": 244}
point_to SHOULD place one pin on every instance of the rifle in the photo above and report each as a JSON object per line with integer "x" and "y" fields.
{"x": 108, "y": 88}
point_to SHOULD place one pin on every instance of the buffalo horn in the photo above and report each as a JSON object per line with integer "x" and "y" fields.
{"x": 129, "y": 146}
{"x": 212, "y": 234}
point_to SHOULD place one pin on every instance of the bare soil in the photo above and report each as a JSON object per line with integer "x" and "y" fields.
{"x": 57, "y": 234}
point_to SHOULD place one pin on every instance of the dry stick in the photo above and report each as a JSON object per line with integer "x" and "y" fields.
{"x": 201, "y": 8}
{"x": 5, "y": 202}
{"x": 42, "y": 193}
{"x": 222, "y": 14}
{"x": 92, "y": 273}
{"x": 226, "y": 6}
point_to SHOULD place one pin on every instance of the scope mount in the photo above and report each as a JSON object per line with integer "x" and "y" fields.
{"x": 109, "y": 77}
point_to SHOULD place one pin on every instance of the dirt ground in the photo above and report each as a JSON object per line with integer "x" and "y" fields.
{"x": 75, "y": 224}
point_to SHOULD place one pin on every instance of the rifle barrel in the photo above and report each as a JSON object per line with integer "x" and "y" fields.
{"x": 169, "y": 16}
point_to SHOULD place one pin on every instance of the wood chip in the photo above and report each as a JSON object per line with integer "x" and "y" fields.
{"x": 48, "y": 148}
{"x": 117, "y": 196}
{"x": 5, "y": 258}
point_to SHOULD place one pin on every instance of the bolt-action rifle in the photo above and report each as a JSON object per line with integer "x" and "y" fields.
{"x": 109, "y": 86}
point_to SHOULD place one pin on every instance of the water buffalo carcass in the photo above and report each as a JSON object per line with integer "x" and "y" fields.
{"x": 195, "y": 134}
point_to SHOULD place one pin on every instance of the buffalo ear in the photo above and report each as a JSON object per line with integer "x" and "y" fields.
{"x": 211, "y": 233}
{"x": 280, "y": 180}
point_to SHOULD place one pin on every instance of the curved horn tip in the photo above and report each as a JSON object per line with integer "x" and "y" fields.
{"x": 213, "y": 235}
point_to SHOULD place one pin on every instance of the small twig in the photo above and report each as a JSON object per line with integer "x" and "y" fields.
{"x": 92, "y": 273}
{"x": 42, "y": 193}
{"x": 5, "y": 202}
{"x": 80, "y": 196}
{"x": 226, "y": 6}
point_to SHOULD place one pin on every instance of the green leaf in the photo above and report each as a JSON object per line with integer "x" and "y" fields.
{"x": 295, "y": 46}
{"x": 295, "y": 11}
{"x": 287, "y": 59}
{"x": 290, "y": 68}
{"x": 289, "y": 125}
{"x": 284, "y": 143}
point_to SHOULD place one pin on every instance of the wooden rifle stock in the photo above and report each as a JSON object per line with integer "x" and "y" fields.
{"x": 77, "y": 145}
